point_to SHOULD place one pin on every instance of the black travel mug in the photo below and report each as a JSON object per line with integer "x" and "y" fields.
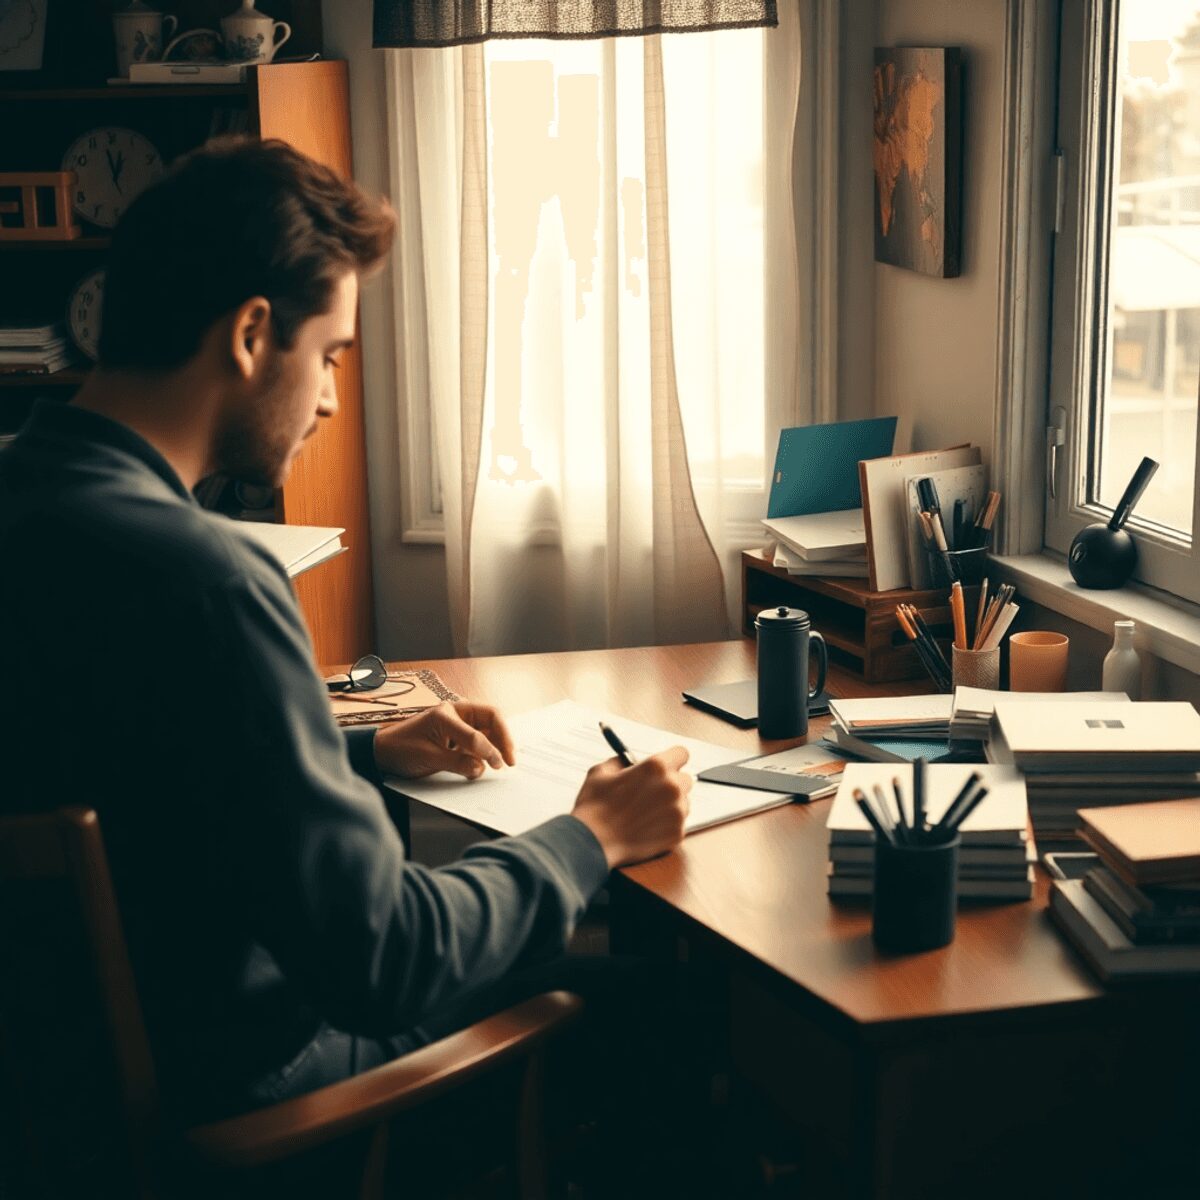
{"x": 783, "y": 693}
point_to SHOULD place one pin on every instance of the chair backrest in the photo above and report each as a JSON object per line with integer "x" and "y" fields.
{"x": 65, "y": 847}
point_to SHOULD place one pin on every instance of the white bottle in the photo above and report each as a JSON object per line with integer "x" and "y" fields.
{"x": 1122, "y": 666}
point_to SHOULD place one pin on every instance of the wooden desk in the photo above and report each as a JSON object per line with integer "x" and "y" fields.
{"x": 996, "y": 1066}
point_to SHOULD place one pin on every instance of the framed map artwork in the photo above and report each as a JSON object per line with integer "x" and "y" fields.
{"x": 917, "y": 157}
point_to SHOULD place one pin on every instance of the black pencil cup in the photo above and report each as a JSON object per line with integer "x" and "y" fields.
{"x": 914, "y": 900}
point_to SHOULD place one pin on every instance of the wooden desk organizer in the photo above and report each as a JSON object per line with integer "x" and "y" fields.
{"x": 859, "y": 625}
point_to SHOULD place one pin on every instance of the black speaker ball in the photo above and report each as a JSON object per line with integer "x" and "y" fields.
{"x": 1101, "y": 557}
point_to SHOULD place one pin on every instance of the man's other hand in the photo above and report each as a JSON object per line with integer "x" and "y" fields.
{"x": 459, "y": 737}
{"x": 636, "y": 812}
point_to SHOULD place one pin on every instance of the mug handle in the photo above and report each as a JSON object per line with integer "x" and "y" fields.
{"x": 822, "y": 662}
{"x": 287, "y": 33}
{"x": 169, "y": 34}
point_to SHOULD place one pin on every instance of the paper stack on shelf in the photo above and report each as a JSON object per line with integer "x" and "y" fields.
{"x": 891, "y": 728}
{"x": 1138, "y": 911}
{"x": 796, "y": 564}
{"x": 822, "y": 537}
{"x": 33, "y": 349}
{"x": 1095, "y": 754}
{"x": 996, "y": 855}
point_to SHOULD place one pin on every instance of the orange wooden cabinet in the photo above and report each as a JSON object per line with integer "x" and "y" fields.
{"x": 305, "y": 104}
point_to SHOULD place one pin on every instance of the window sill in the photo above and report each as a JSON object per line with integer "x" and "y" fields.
{"x": 1167, "y": 627}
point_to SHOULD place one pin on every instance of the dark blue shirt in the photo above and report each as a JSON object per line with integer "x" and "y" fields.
{"x": 157, "y": 668}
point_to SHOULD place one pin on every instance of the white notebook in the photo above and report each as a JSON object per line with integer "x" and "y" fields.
{"x": 902, "y": 712}
{"x": 1156, "y": 735}
{"x": 298, "y": 547}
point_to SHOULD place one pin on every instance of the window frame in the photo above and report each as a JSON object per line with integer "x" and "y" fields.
{"x": 1088, "y": 118}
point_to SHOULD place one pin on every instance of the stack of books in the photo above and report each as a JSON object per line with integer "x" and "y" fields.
{"x": 828, "y": 543}
{"x": 33, "y": 349}
{"x": 1093, "y": 754}
{"x": 891, "y": 728}
{"x": 996, "y": 855}
{"x": 1138, "y": 911}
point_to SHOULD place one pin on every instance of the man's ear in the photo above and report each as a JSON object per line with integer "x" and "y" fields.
{"x": 251, "y": 336}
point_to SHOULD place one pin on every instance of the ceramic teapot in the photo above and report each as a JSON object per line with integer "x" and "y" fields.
{"x": 251, "y": 36}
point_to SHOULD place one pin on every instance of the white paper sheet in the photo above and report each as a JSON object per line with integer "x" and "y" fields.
{"x": 554, "y": 748}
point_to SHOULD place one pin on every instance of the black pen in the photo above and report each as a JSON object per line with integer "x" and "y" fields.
{"x": 967, "y": 809}
{"x": 951, "y": 813}
{"x": 619, "y": 747}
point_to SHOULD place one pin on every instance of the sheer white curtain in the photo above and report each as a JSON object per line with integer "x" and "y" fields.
{"x": 597, "y": 276}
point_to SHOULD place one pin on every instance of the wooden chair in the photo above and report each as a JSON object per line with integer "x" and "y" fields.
{"x": 66, "y": 846}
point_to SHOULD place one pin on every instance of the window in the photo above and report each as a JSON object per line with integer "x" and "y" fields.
{"x": 1125, "y": 355}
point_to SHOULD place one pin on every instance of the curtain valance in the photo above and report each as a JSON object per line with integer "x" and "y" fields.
{"x": 416, "y": 23}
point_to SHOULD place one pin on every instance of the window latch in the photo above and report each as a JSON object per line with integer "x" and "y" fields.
{"x": 1056, "y": 436}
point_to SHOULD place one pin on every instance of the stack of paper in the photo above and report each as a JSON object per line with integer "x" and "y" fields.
{"x": 1095, "y": 754}
{"x": 796, "y": 564}
{"x": 832, "y": 543}
{"x": 891, "y": 728}
{"x": 33, "y": 349}
{"x": 973, "y": 709}
{"x": 996, "y": 856}
{"x": 554, "y": 748}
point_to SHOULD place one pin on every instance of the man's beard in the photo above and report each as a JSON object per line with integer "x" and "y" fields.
{"x": 250, "y": 446}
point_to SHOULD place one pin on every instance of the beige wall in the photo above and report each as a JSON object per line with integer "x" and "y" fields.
{"x": 935, "y": 345}
{"x": 411, "y": 606}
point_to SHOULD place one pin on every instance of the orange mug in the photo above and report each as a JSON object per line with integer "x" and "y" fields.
{"x": 1037, "y": 662}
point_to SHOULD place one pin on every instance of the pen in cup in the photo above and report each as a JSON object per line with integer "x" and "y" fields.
{"x": 619, "y": 748}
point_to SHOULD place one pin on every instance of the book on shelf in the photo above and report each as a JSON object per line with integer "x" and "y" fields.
{"x": 35, "y": 352}
{"x": 1156, "y": 842}
{"x": 19, "y": 334}
{"x": 298, "y": 547}
{"x": 1161, "y": 735}
{"x": 1106, "y": 947}
{"x": 36, "y": 366}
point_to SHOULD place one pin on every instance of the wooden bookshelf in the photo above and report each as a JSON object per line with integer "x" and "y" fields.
{"x": 306, "y": 104}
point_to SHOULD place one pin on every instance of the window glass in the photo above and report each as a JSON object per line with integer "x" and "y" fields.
{"x": 1150, "y": 377}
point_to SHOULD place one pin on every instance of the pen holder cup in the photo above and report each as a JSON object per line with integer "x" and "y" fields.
{"x": 962, "y": 566}
{"x": 914, "y": 899}
{"x": 976, "y": 668}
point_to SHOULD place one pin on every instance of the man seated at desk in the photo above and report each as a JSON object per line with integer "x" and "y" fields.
{"x": 279, "y": 936}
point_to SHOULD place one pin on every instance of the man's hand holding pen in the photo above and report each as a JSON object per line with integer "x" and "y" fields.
{"x": 635, "y": 809}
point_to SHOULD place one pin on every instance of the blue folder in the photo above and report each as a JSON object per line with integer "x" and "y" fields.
{"x": 816, "y": 466}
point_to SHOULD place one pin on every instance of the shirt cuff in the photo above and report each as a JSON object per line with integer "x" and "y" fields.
{"x": 575, "y": 847}
{"x": 360, "y": 745}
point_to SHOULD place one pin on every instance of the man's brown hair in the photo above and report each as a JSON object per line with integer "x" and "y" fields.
{"x": 234, "y": 219}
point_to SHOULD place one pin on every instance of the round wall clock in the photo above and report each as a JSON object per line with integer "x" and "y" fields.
{"x": 112, "y": 164}
{"x": 83, "y": 313}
